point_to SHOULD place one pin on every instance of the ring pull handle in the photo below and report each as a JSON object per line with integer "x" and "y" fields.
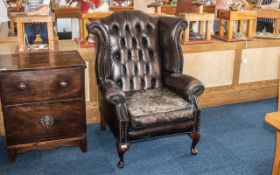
{"x": 21, "y": 86}
{"x": 63, "y": 83}
{"x": 47, "y": 121}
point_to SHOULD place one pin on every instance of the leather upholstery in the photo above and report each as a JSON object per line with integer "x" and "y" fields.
{"x": 156, "y": 107}
{"x": 184, "y": 85}
{"x": 134, "y": 55}
{"x": 137, "y": 53}
{"x": 112, "y": 92}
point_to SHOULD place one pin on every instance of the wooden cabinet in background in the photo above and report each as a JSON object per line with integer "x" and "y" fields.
{"x": 65, "y": 12}
{"x": 43, "y": 101}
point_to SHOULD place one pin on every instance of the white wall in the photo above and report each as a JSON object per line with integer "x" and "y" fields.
{"x": 63, "y": 25}
{"x": 3, "y": 10}
{"x": 75, "y": 28}
{"x": 68, "y": 25}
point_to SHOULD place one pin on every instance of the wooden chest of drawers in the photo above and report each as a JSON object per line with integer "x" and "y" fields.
{"x": 43, "y": 101}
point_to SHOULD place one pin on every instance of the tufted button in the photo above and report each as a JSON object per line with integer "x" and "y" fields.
{"x": 124, "y": 70}
{"x": 115, "y": 28}
{"x": 138, "y": 27}
{"x": 151, "y": 54}
{"x": 149, "y": 27}
{"x": 131, "y": 83}
{"x": 122, "y": 42}
{"x": 136, "y": 69}
{"x": 117, "y": 55}
{"x": 145, "y": 41}
{"x": 148, "y": 68}
{"x": 142, "y": 83}
{"x": 134, "y": 42}
{"x": 153, "y": 82}
{"x": 119, "y": 83}
{"x": 127, "y": 29}
{"x": 129, "y": 55}
{"x": 140, "y": 54}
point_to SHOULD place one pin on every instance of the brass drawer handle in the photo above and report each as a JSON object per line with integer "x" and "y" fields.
{"x": 47, "y": 121}
{"x": 63, "y": 84}
{"x": 21, "y": 86}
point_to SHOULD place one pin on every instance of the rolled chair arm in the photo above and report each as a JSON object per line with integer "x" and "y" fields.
{"x": 112, "y": 92}
{"x": 186, "y": 86}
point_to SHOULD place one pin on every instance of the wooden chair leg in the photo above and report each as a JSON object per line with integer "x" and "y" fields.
{"x": 103, "y": 125}
{"x": 195, "y": 139}
{"x": 121, "y": 148}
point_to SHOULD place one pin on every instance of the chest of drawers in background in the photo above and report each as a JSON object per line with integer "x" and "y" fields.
{"x": 43, "y": 101}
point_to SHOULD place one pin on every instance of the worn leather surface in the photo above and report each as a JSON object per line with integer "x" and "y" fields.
{"x": 136, "y": 53}
{"x": 157, "y": 107}
{"x": 158, "y": 131}
{"x": 184, "y": 85}
{"x": 112, "y": 93}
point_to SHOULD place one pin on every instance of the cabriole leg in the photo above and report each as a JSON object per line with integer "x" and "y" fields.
{"x": 195, "y": 139}
{"x": 121, "y": 148}
{"x": 103, "y": 125}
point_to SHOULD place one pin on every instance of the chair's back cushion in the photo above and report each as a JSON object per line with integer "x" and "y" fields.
{"x": 134, "y": 50}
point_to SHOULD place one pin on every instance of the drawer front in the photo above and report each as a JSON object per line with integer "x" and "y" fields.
{"x": 42, "y": 85}
{"x": 44, "y": 121}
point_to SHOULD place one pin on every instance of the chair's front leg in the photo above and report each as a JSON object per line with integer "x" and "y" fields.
{"x": 121, "y": 148}
{"x": 122, "y": 122}
{"x": 103, "y": 125}
{"x": 195, "y": 135}
{"x": 195, "y": 139}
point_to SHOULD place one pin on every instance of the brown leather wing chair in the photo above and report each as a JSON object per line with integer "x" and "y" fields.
{"x": 143, "y": 93}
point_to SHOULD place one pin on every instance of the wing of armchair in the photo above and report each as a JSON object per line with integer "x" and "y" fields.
{"x": 143, "y": 93}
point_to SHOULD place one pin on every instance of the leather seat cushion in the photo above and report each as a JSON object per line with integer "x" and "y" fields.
{"x": 156, "y": 107}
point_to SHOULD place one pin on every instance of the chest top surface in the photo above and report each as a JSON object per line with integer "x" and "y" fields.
{"x": 42, "y": 60}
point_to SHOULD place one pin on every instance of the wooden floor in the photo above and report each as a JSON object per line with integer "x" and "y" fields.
{"x": 220, "y": 66}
